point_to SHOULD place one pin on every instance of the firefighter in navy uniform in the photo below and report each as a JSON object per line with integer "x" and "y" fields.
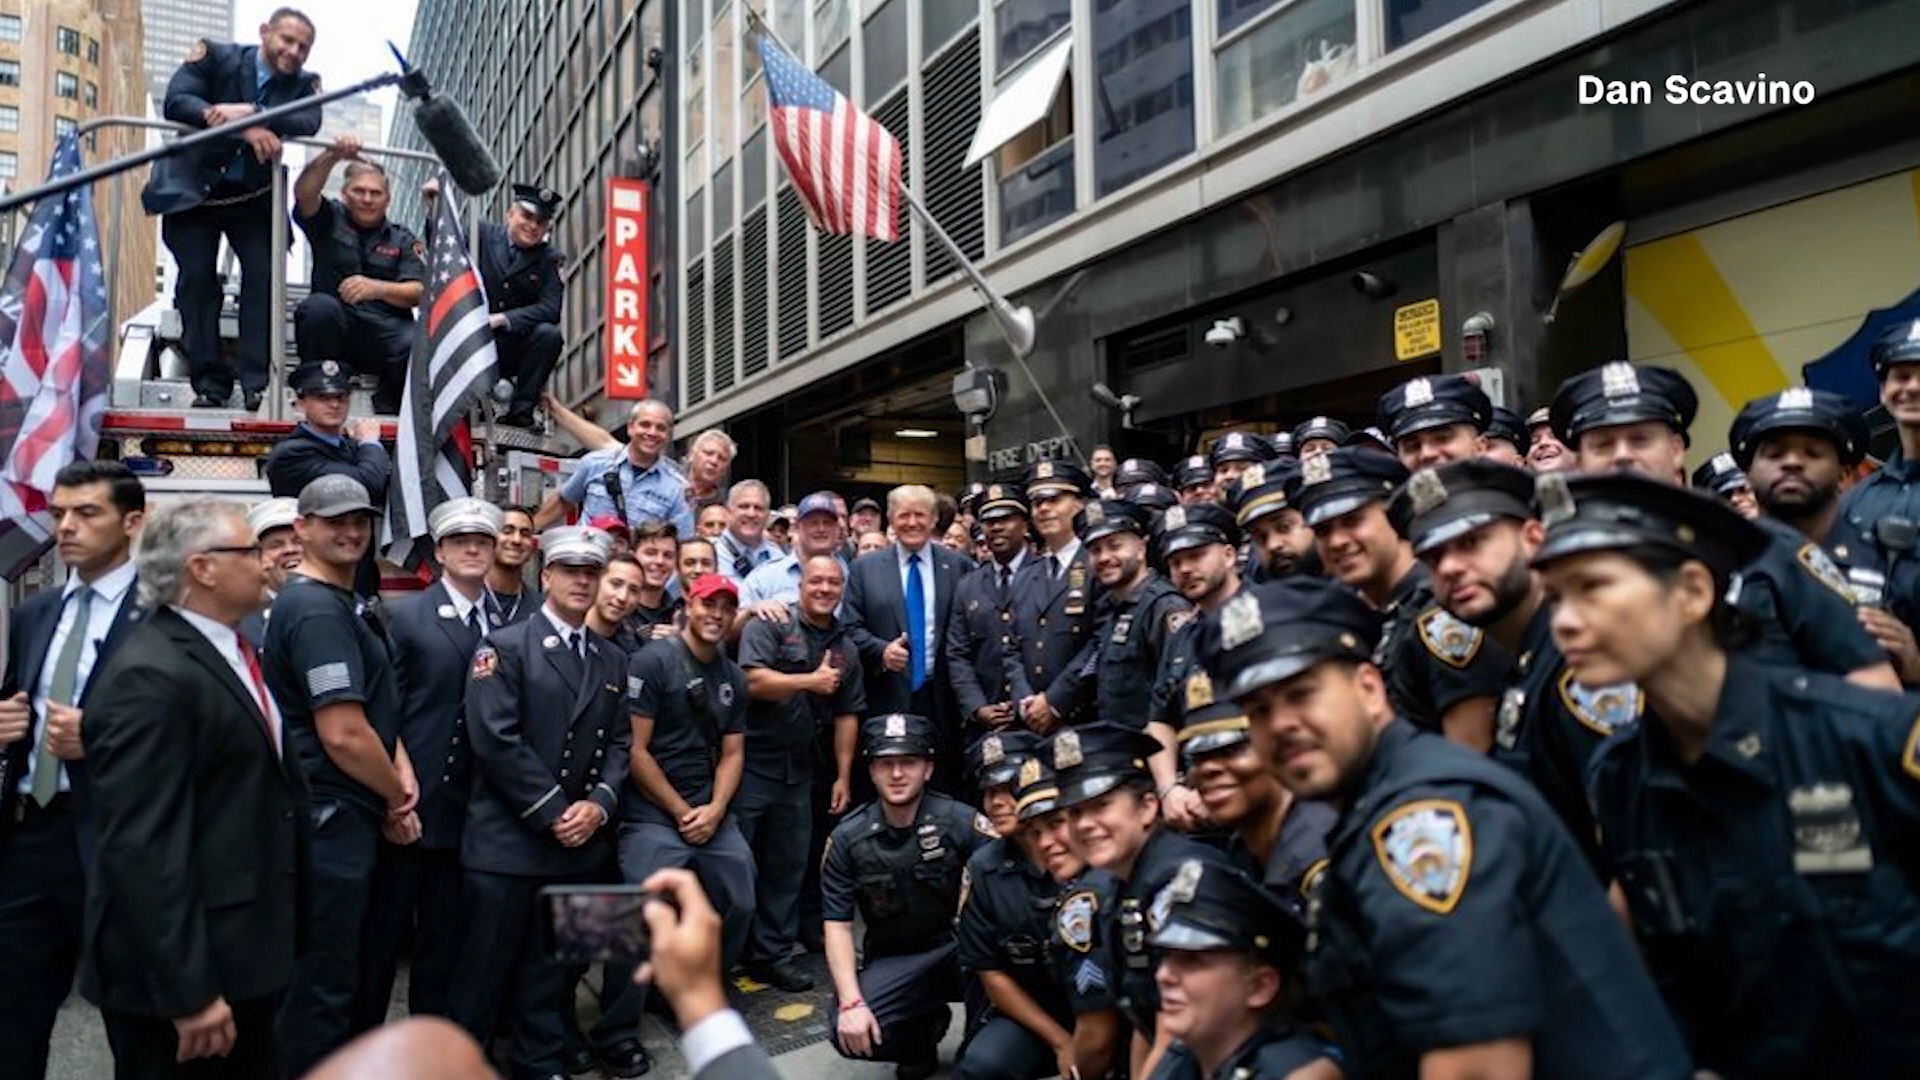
{"x": 1227, "y": 952}
{"x": 1053, "y": 605}
{"x": 1417, "y": 950}
{"x": 897, "y": 860}
{"x": 980, "y": 628}
{"x": 1006, "y": 919}
{"x": 521, "y": 270}
{"x": 1763, "y": 820}
{"x": 546, "y": 717}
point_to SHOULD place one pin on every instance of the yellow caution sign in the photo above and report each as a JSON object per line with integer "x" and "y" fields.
{"x": 1416, "y": 330}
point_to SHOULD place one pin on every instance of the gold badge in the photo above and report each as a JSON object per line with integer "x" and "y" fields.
{"x": 1255, "y": 476}
{"x": 1029, "y": 772}
{"x": 1316, "y": 469}
{"x": 1199, "y": 691}
{"x": 1425, "y": 848}
{"x": 1043, "y": 471}
{"x": 1240, "y": 621}
{"x": 1066, "y": 750}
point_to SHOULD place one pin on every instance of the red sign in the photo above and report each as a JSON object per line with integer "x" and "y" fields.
{"x": 626, "y": 269}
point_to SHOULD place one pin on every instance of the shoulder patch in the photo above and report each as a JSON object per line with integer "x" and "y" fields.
{"x": 419, "y": 249}
{"x": 485, "y": 662}
{"x": 1178, "y": 618}
{"x": 1602, "y": 709}
{"x": 1825, "y": 570}
{"x": 1073, "y": 921}
{"x": 1426, "y": 849}
{"x": 1310, "y": 881}
{"x": 198, "y": 52}
{"x": 1910, "y": 757}
{"x": 1448, "y": 639}
{"x": 984, "y": 826}
{"x": 966, "y": 888}
{"x": 826, "y": 851}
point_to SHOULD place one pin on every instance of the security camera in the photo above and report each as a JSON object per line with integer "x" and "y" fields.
{"x": 1225, "y": 332}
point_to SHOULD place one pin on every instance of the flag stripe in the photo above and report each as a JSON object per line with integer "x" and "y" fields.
{"x": 845, "y": 165}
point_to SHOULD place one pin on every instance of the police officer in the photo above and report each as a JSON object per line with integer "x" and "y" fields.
{"x": 1282, "y": 443}
{"x": 980, "y": 627}
{"x": 1635, "y": 417}
{"x": 1278, "y": 540}
{"x": 1545, "y": 452}
{"x": 1760, "y": 816}
{"x": 1435, "y": 419}
{"x": 1192, "y": 479}
{"x": 1135, "y": 471}
{"x": 1506, "y": 437}
{"x": 1722, "y": 477}
{"x": 329, "y": 667}
{"x": 1138, "y": 613}
{"x": 1232, "y": 453}
{"x": 550, "y": 750}
{"x": 898, "y": 861}
{"x": 1227, "y": 950}
{"x": 1107, "y": 793}
{"x": 1320, "y": 434}
{"x": 1155, "y": 499}
{"x": 1006, "y": 919}
{"x": 434, "y": 633}
{"x": 1875, "y": 530}
{"x": 1415, "y": 953}
{"x": 1200, "y": 546}
{"x": 223, "y": 189}
{"x": 521, "y": 271}
{"x": 325, "y": 442}
{"x": 688, "y": 707}
{"x": 803, "y": 678}
{"x": 1053, "y": 605}
{"x": 369, "y": 272}
{"x": 1441, "y": 672}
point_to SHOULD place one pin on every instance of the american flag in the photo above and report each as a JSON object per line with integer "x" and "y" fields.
{"x": 845, "y": 166}
{"x": 54, "y": 333}
{"x": 453, "y": 364}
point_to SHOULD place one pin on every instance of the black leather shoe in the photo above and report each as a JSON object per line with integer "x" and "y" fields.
{"x": 917, "y": 1070}
{"x": 252, "y": 398}
{"x": 626, "y": 1059}
{"x": 208, "y": 401}
{"x": 579, "y": 1059}
{"x": 783, "y": 974}
{"x": 518, "y": 419}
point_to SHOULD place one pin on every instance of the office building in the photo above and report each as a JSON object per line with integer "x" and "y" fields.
{"x": 173, "y": 27}
{"x": 359, "y": 116}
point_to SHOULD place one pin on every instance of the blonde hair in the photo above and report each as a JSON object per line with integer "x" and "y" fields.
{"x": 910, "y": 493}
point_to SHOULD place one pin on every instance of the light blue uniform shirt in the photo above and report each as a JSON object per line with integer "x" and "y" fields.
{"x": 653, "y": 494}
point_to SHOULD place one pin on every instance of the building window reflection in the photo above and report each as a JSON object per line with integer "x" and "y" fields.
{"x": 1036, "y": 171}
{"x": 1410, "y": 19}
{"x": 1143, "y": 88}
{"x": 1022, "y": 26}
{"x": 1292, "y": 51}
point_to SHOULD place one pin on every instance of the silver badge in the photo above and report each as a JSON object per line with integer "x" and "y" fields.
{"x": 1316, "y": 469}
{"x": 726, "y": 694}
{"x": 1419, "y": 392}
{"x": 1255, "y": 475}
{"x": 1826, "y": 831}
{"x": 1066, "y": 749}
{"x": 1506, "y": 731}
{"x": 1618, "y": 379}
{"x": 991, "y": 752}
{"x": 329, "y": 368}
{"x": 1044, "y": 471}
{"x": 1240, "y": 621}
{"x": 1174, "y": 518}
{"x": 1096, "y": 514}
{"x": 1797, "y": 397}
{"x": 1555, "y": 498}
{"x": 550, "y": 642}
{"x": 1178, "y": 891}
{"x": 896, "y": 727}
{"x": 1723, "y": 463}
{"x": 1427, "y": 492}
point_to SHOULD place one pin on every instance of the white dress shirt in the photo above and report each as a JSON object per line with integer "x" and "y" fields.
{"x": 1063, "y": 558}
{"x": 226, "y": 642}
{"x": 926, "y": 583}
{"x": 463, "y": 608}
{"x": 109, "y": 592}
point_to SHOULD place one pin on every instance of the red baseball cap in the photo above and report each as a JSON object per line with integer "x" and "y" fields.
{"x": 609, "y": 523}
{"x": 707, "y": 586}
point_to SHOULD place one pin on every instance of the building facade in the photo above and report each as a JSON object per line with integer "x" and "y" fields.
{"x": 359, "y": 116}
{"x": 567, "y": 93}
{"x": 173, "y": 26}
{"x": 61, "y": 65}
{"x": 1248, "y": 212}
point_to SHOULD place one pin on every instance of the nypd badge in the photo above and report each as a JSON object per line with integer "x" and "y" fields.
{"x": 984, "y": 826}
{"x": 1199, "y": 691}
{"x": 1174, "y": 518}
{"x": 1030, "y": 772}
{"x": 1618, "y": 379}
{"x": 1043, "y": 471}
{"x": 1255, "y": 476}
{"x": 1555, "y": 498}
{"x": 896, "y": 727}
{"x": 991, "y": 751}
{"x": 1795, "y": 398}
{"x": 1448, "y": 639}
{"x": 1601, "y": 709}
{"x": 1096, "y": 514}
{"x": 1823, "y": 568}
{"x": 1506, "y": 722}
{"x": 1425, "y": 848}
{"x": 1066, "y": 749}
{"x": 1240, "y": 621}
{"x": 966, "y": 888}
{"x": 1316, "y": 469}
{"x": 1074, "y": 920}
{"x": 1426, "y": 491}
{"x": 1419, "y": 392}
{"x": 1178, "y": 891}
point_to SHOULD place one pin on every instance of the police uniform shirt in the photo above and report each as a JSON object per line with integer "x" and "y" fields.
{"x": 665, "y": 681}
{"x": 321, "y": 650}
{"x": 905, "y": 882}
{"x": 341, "y": 249}
{"x": 1455, "y": 910}
{"x": 1006, "y": 919}
{"x": 656, "y": 493}
{"x": 1079, "y": 949}
{"x": 1135, "y": 917}
{"x": 1132, "y": 637}
{"x": 1274, "y": 1052}
{"x": 1786, "y": 855}
{"x": 980, "y": 635}
{"x": 780, "y": 734}
{"x": 1433, "y": 660}
{"x": 1299, "y": 854}
{"x": 1804, "y": 607}
{"x": 1052, "y": 603}
{"x": 1890, "y": 491}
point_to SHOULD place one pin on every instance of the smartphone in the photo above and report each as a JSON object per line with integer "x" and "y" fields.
{"x": 595, "y": 924}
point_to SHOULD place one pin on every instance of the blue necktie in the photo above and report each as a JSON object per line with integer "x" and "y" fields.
{"x": 916, "y": 623}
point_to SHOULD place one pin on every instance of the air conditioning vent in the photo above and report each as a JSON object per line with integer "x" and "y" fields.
{"x": 696, "y": 334}
{"x": 890, "y": 266}
{"x": 791, "y": 273}
{"x": 753, "y": 295}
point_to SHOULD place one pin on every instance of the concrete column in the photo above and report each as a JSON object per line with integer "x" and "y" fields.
{"x": 1489, "y": 261}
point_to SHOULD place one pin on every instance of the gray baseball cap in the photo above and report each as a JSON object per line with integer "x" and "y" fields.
{"x": 335, "y": 496}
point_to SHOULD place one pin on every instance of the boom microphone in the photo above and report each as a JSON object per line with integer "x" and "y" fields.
{"x": 446, "y": 129}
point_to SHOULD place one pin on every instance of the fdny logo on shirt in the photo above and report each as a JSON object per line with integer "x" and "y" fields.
{"x": 1449, "y": 640}
{"x": 1426, "y": 849}
{"x": 1602, "y": 709}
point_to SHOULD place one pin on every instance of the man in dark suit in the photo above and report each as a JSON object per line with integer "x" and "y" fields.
{"x": 1053, "y": 606}
{"x": 224, "y": 188}
{"x": 434, "y": 633}
{"x": 192, "y": 921}
{"x": 980, "y": 629}
{"x": 899, "y": 641}
{"x": 57, "y": 640}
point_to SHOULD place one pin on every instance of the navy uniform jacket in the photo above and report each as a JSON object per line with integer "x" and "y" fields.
{"x": 875, "y": 613}
{"x": 1888, "y": 491}
{"x": 1298, "y": 857}
{"x": 1006, "y": 920}
{"x": 1080, "y": 949}
{"x": 780, "y": 734}
{"x": 432, "y": 650}
{"x": 905, "y": 882}
{"x": 1804, "y": 607}
{"x": 1273, "y": 1053}
{"x": 978, "y": 633}
{"x": 1775, "y": 882}
{"x": 387, "y": 252}
{"x": 1053, "y": 623}
{"x": 222, "y": 74}
{"x": 1455, "y": 910}
{"x": 1433, "y": 660}
{"x": 522, "y": 283}
{"x": 1133, "y": 919}
{"x": 548, "y": 730}
{"x": 304, "y": 456}
{"x": 1131, "y": 636}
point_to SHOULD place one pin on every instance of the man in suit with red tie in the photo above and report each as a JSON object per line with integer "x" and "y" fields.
{"x": 898, "y": 600}
{"x": 192, "y": 920}
{"x": 58, "y": 639}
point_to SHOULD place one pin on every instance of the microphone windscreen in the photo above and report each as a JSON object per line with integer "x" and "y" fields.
{"x": 458, "y": 146}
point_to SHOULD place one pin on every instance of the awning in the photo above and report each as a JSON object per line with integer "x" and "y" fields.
{"x": 1022, "y": 102}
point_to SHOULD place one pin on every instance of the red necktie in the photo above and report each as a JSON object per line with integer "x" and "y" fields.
{"x": 259, "y": 691}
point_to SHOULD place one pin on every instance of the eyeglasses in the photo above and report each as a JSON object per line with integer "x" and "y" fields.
{"x": 233, "y": 549}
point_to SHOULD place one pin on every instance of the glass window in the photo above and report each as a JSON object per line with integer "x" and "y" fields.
{"x": 1410, "y": 19}
{"x": 9, "y": 164}
{"x": 9, "y": 118}
{"x": 753, "y": 171}
{"x": 9, "y": 28}
{"x": 67, "y": 40}
{"x": 1298, "y": 52}
{"x": 724, "y": 103}
{"x": 1038, "y": 194}
{"x": 832, "y": 22}
{"x": 91, "y": 95}
{"x": 93, "y": 50}
{"x": 838, "y": 71}
{"x": 886, "y": 45}
{"x": 9, "y": 73}
{"x": 1021, "y": 26}
{"x": 940, "y": 22}
{"x": 64, "y": 126}
{"x": 1143, "y": 60}
{"x": 67, "y": 85}
{"x": 1234, "y": 14}
{"x": 789, "y": 22}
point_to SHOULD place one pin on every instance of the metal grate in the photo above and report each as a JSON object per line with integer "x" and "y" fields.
{"x": 890, "y": 266}
{"x": 836, "y": 284}
{"x": 696, "y": 333}
{"x": 954, "y": 195}
{"x": 725, "y": 363}
{"x": 791, "y": 274}
{"x": 753, "y": 295}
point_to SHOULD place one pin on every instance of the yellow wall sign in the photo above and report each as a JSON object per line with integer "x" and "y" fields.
{"x": 1416, "y": 330}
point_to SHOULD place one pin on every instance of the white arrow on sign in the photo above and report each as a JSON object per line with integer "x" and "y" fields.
{"x": 626, "y": 375}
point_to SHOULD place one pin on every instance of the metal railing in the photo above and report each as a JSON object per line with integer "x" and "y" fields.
{"x": 276, "y": 403}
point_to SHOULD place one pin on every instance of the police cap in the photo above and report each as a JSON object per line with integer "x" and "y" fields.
{"x": 1343, "y": 480}
{"x": 1439, "y": 504}
{"x": 1135, "y": 470}
{"x": 1432, "y": 401}
{"x": 1001, "y": 500}
{"x": 1209, "y": 724}
{"x": 1621, "y": 393}
{"x": 335, "y": 495}
{"x": 1899, "y": 344}
{"x": 1282, "y": 444}
{"x": 1320, "y": 427}
{"x": 1610, "y": 511}
{"x": 1036, "y": 790}
{"x": 1183, "y": 527}
{"x": 1055, "y": 476}
{"x": 1093, "y": 759}
{"x": 269, "y": 514}
{"x": 1720, "y": 475}
{"x": 320, "y": 377}
{"x": 1192, "y": 470}
{"x": 898, "y": 735}
{"x": 1239, "y": 446}
{"x": 539, "y": 201}
{"x": 1370, "y": 438}
{"x": 1260, "y": 491}
{"x": 465, "y": 517}
{"x": 1799, "y": 408}
{"x": 1506, "y": 424}
{"x": 575, "y": 545}
{"x": 1104, "y": 517}
{"x": 994, "y": 760}
{"x": 1153, "y": 498}
{"x": 1211, "y": 907}
{"x": 1271, "y": 632}
{"x": 970, "y": 497}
